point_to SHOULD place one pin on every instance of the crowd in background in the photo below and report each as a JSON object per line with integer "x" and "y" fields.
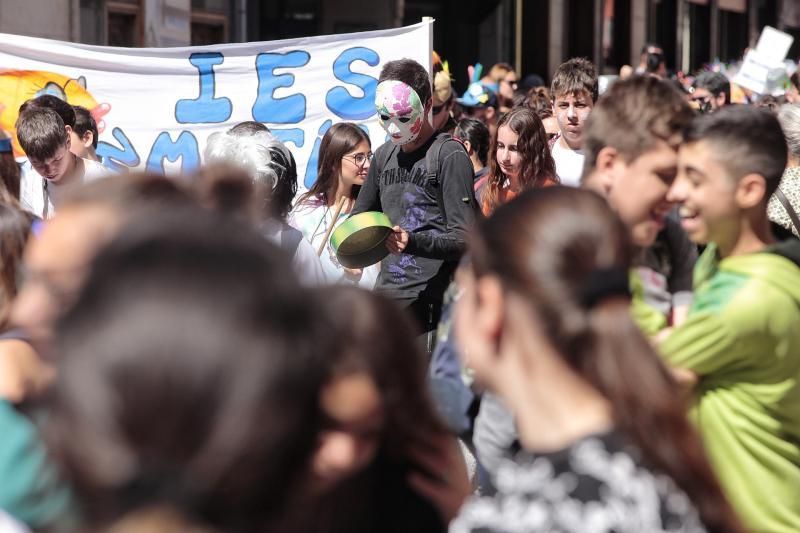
{"x": 587, "y": 320}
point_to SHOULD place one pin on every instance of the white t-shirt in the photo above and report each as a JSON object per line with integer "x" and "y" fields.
{"x": 569, "y": 164}
{"x": 33, "y": 194}
{"x": 314, "y": 218}
{"x": 304, "y": 259}
{"x": 9, "y": 525}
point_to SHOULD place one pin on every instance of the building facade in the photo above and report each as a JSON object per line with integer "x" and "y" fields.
{"x": 533, "y": 35}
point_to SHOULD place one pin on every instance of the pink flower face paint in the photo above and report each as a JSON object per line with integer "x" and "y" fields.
{"x": 400, "y": 111}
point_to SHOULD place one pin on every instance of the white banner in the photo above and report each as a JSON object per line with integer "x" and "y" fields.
{"x": 155, "y": 107}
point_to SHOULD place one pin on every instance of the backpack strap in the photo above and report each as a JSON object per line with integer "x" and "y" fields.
{"x": 432, "y": 163}
{"x": 789, "y": 210}
{"x": 387, "y": 155}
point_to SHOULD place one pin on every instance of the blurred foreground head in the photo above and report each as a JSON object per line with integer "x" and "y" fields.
{"x": 58, "y": 255}
{"x": 187, "y": 376}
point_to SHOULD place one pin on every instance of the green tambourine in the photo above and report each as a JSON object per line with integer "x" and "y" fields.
{"x": 360, "y": 240}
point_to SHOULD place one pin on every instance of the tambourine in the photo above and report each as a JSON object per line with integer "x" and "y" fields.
{"x": 360, "y": 240}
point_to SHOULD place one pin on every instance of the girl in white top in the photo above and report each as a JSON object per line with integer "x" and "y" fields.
{"x": 344, "y": 158}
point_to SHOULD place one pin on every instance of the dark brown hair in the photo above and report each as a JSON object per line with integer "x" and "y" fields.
{"x": 84, "y": 122}
{"x": 340, "y": 139}
{"x": 599, "y": 342}
{"x": 412, "y": 74}
{"x": 15, "y": 228}
{"x": 41, "y": 132}
{"x": 476, "y": 132}
{"x": 538, "y": 99}
{"x": 388, "y": 355}
{"x": 230, "y": 191}
{"x": 9, "y": 174}
{"x": 537, "y": 161}
{"x": 499, "y": 71}
{"x": 379, "y": 498}
{"x": 48, "y": 101}
{"x": 129, "y": 192}
{"x": 632, "y": 116}
{"x": 746, "y": 140}
{"x": 188, "y": 375}
{"x": 575, "y": 76}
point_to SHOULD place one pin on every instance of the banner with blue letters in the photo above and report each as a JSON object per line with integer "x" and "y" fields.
{"x": 155, "y": 107}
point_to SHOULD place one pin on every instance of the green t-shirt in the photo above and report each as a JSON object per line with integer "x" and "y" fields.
{"x": 742, "y": 338}
{"x": 649, "y": 319}
{"x": 29, "y": 488}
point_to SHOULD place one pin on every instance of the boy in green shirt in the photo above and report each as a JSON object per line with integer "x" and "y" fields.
{"x": 741, "y": 341}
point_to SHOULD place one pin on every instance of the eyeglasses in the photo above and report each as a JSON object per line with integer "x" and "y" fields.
{"x": 359, "y": 159}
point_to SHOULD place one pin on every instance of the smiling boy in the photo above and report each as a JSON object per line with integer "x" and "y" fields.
{"x": 741, "y": 342}
{"x": 631, "y": 145}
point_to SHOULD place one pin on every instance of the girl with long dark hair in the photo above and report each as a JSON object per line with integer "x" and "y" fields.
{"x": 376, "y": 410}
{"x": 22, "y": 372}
{"x": 344, "y": 159}
{"x": 544, "y": 322}
{"x": 520, "y": 158}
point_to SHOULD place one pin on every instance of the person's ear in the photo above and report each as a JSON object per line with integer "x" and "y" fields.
{"x": 601, "y": 178}
{"x": 491, "y": 113}
{"x": 751, "y": 191}
{"x": 88, "y": 139}
{"x": 720, "y": 100}
{"x": 491, "y": 309}
{"x": 69, "y": 138}
{"x": 468, "y": 147}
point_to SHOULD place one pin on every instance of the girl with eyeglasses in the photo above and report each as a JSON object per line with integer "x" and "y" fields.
{"x": 344, "y": 158}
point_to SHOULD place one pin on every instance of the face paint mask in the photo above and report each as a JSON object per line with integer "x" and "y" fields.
{"x": 400, "y": 111}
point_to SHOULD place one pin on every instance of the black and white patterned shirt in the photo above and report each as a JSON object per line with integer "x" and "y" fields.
{"x": 597, "y": 485}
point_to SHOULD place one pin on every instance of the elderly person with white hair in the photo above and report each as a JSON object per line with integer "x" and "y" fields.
{"x": 270, "y": 165}
{"x": 784, "y": 206}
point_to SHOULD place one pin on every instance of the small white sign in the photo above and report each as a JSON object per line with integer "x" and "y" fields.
{"x": 763, "y": 70}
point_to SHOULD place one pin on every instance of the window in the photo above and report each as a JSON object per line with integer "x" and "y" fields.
{"x": 124, "y": 23}
{"x": 210, "y": 22}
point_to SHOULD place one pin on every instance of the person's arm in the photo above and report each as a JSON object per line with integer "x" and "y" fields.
{"x": 455, "y": 178}
{"x": 369, "y": 197}
{"x": 495, "y": 433}
{"x": 22, "y": 373}
{"x": 684, "y": 257}
{"x": 702, "y": 346}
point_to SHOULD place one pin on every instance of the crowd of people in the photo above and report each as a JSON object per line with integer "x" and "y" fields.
{"x": 587, "y": 320}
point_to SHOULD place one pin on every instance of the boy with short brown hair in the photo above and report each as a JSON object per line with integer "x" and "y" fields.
{"x": 46, "y": 140}
{"x": 574, "y": 91}
{"x": 631, "y": 147}
{"x": 741, "y": 342}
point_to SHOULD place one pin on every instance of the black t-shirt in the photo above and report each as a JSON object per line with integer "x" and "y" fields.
{"x": 403, "y": 191}
{"x": 596, "y": 485}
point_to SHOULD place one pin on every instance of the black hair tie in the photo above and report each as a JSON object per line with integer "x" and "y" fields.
{"x": 605, "y": 282}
